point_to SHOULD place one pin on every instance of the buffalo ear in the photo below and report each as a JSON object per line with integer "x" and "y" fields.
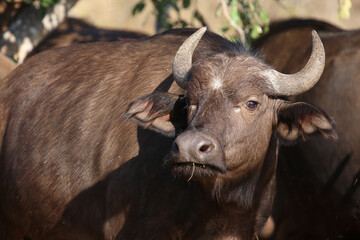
{"x": 162, "y": 112}
{"x": 301, "y": 120}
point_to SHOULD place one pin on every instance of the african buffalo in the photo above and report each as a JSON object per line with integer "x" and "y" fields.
{"x": 318, "y": 181}
{"x": 73, "y": 31}
{"x": 201, "y": 166}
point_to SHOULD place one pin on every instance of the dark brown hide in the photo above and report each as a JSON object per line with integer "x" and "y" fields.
{"x": 318, "y": 195}
{"x": 73, "y": 31}
{"x": 72, "y": 167}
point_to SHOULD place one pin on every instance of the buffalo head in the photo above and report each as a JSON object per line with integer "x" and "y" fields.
{"x": 232, "y": 113}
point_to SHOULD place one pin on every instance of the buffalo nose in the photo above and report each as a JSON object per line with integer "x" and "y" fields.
{"x": 197, "y": 147}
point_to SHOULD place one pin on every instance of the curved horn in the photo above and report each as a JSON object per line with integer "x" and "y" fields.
{"x": 183, "y": 58}
{"x": 306, "y": 78}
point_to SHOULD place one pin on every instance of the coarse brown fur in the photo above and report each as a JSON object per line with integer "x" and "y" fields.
{"x": 72, "y": 167}
{"x": 74, "y": 31}
{"x": 318, "y": 180}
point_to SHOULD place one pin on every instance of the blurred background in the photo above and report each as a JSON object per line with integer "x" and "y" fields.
{"x": 26, "y": 22}
{"x": 118, "y": 13}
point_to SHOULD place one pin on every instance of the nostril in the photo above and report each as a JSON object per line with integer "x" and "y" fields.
{"x": 206, "y": 148}
{"x": 175, "y": 148}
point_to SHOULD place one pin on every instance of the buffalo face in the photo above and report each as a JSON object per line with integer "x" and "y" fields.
{"x": 230, "y": 113}
{"x": 229, "y": 119}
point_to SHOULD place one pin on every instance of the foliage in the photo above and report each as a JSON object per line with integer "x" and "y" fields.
{"x": 11, "y": 9}
{"x": 162, "y": 9}
{"x": 344, "y": 8}
{"x": 245, "y": 16}
{"x": 43, "y": 3}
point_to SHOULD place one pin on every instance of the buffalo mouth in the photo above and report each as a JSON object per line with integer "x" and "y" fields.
{"x": 195, "y": 170}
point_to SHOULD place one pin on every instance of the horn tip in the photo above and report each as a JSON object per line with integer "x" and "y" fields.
{"x": 202, "y": 30}
{"x": 314, "y": 34}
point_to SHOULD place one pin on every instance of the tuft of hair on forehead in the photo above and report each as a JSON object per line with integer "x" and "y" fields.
{"x": 224, "y": 70}
{"x": 217, "y": 83}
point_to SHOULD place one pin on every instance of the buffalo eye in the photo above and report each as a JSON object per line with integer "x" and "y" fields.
{"x": 251, "y": 105}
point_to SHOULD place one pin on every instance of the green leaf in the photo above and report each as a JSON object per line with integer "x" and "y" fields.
{"x": 233, "y": 2}
{"x": 218, "y": 10}
{"x": 198, "y": 16}
{"x": 182, "y": 23}
{"x": 48, "y": 3}
{"x": 235, "y": 14}
{"x": 138, "y": 8}
{"x": 167, "y": 25}
{"x": 255, "y": 31}
{"x": 266, "y": 29}
{"x": 186, "y": 3}
{"x": 177, "y": 9}
{"x": 344, "y": 9}
{"x": 264, "y": 17}
{"x": 224, "y": 30}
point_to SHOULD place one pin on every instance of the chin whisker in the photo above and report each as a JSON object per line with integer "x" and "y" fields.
{"x": 192, "y": 172}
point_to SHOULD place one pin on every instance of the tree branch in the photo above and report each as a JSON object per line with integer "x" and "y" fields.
{"x": 232, "y": 23}
{"x": 29, "y": 29}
